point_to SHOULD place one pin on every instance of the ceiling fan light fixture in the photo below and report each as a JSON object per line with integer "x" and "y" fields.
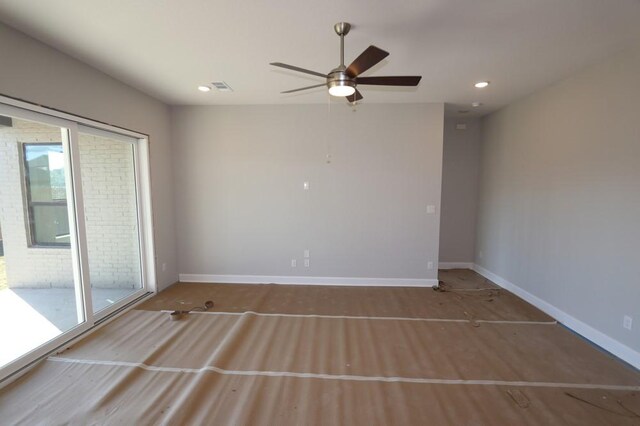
{"x": 342, "y": 80}
{"x": 342, "y": 88}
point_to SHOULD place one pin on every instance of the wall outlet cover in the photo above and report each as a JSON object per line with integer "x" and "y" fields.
{"x": 627, "y": 322}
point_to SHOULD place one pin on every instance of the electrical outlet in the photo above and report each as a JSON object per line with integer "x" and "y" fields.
{"x": 164, "y": 267}
{"x": 305, "y": 185}
{"x": 627, "y": 322}
{"x": 429, "y": 265}
{"x": 306, "y": 253}
{"x": 431, "y": 209}
{"x": 294, "y": 263}
{"x": 480, "y": 254}
{"x": 306, "y": 263}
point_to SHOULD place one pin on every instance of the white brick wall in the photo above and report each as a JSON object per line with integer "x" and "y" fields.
{"x": 110, "y": 211}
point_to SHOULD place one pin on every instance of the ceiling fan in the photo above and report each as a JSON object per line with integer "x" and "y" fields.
{"x": 343, "y": 81}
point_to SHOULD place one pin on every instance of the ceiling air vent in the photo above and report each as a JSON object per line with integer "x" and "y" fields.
{"x": 222, "y": 86}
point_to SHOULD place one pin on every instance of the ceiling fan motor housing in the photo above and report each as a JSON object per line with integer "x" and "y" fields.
{"x": 339, "y": 78}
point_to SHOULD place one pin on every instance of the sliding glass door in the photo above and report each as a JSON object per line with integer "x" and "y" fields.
{"x": 75, "y": 242}
{"x": 111, "y": 215}
{"x": 41, "y": 294}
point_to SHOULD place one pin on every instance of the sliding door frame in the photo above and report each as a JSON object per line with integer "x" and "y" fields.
{"x": 138, "y": 166}
{"x": 70, "y": 138}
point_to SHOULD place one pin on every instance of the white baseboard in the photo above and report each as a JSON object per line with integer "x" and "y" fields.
{"x": 611, "y": 345}
{"x": 270, "y": 279}
{"x": 455, "y": 265}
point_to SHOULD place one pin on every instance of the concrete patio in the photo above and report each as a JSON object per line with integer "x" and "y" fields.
{"x": 33, "y": 316}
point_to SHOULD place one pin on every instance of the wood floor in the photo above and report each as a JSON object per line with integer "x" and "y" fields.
{"x": 469, "y": 354}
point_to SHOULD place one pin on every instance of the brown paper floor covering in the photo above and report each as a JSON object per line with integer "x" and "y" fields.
{"x": 272, "y": 355}
{"x": 406, "y": 302}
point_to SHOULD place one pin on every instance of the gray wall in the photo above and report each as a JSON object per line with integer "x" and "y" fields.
{"x": 460, "y": 174}
{"x": 242, "y": 210}
{"x": 559, "y": 209}
{"x": 37, "y": 73}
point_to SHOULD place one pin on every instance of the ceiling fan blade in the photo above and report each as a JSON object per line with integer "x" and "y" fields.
{"x": 294, "y": 68}
{"x": 355, "y": 97}
{"x": 408, "y": 80}
{"x": 371, "y": 56}
{"x": 305, "y": 88}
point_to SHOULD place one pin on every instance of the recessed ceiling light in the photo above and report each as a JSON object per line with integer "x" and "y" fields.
{"x": 476, "y": 104}
{"x": 204, "y": 88}
{"x": 482, "y": 84}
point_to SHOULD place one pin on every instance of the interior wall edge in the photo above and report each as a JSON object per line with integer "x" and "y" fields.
{"x": 595, "y": 336}
{"x": 309, "y": 280}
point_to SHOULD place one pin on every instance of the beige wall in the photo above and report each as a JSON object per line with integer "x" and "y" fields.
{"x": 37, "y": 73}
{"x": 242, "y": 210}
{"x": 560, "y": 196}
{"x": 460, "y": 174}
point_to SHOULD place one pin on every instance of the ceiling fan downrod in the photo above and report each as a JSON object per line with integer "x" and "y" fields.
{"x": 342, "y": 29}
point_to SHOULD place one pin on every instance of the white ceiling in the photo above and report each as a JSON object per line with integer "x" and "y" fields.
{"x": 167, "y": 48}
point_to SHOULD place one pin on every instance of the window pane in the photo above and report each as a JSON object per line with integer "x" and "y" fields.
{"x": 38, "y": 287}
{"x": 50, "y": 225}
{"x": 111, "y": 213}
{"x": 46, "y": 194}
{"x": 45, "y": 172}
